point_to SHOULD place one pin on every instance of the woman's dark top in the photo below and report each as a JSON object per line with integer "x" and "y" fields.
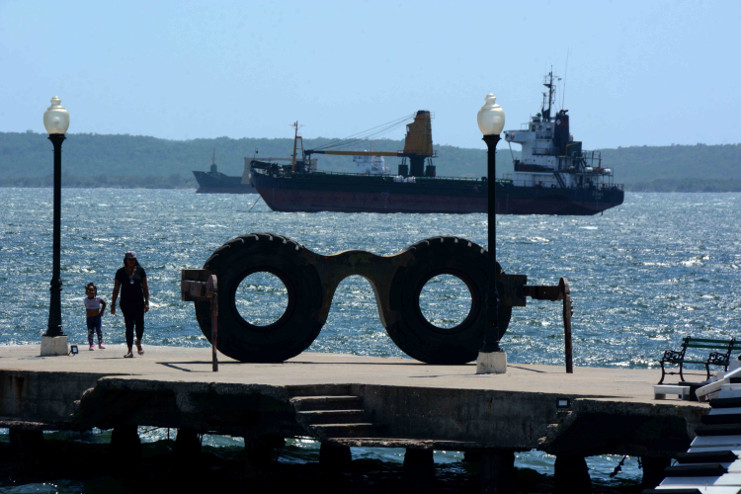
{"x": 132, "y": 295}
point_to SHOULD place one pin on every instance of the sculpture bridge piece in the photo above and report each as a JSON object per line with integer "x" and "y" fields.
{"x": 311, "y": 280}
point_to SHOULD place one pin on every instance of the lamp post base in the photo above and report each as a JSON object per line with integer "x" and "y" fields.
{"x": 54, "y": 345}
{"x": 492, "y": 362}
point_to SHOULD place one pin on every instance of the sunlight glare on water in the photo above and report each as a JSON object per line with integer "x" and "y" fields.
{"x": 642, "y": 275}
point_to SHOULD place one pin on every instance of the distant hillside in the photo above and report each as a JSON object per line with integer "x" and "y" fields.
{"x": 92, "y": 160}
{"x": 697, "y": 168}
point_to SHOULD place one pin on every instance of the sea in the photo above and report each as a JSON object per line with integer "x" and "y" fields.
{"x": 643, "y": 275}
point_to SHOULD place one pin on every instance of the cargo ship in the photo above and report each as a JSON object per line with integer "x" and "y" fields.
{"x": 215, "y": 182}
{"x": 552, "y": 176}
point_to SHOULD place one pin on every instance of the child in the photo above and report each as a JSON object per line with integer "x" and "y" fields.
{"x": 94, "y": 307}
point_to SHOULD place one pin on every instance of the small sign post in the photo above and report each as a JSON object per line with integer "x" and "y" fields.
{"x": 199, "y": 285}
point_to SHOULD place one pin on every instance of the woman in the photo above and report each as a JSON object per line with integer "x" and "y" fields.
{"x": 132, "y": 281}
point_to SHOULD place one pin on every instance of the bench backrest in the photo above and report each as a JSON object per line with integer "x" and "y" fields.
{"x": 710, "y": 343}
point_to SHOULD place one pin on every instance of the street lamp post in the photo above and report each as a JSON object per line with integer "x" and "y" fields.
{"x": 492, "y": 359}
{"x": 56, "y": 121}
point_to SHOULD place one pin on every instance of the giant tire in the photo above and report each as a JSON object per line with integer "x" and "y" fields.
{"x": 406, "y": 324}
{"x": 295, "y": 330}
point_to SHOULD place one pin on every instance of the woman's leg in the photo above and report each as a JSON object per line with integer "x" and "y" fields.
{"x": 139, "y": 332}
{"x": 129, "y": 330}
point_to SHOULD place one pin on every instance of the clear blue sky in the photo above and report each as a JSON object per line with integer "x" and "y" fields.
{"x": 650, "y": 72}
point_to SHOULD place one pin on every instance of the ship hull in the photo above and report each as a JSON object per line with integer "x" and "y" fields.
{"x": 218, "y": 183}
{"x": 511, "y": 199}
{"x": 314, "y": 192}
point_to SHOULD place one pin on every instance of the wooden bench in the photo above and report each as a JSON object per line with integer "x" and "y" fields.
{"x": 719, "y": 355}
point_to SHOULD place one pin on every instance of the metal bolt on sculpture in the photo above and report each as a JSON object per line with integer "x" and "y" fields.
{"x": 311, "y": 279}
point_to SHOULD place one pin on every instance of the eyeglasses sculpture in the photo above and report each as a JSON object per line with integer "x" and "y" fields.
{"x": 311, "y": 279}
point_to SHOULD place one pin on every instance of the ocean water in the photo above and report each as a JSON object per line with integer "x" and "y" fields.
{"x": 642, "y": 275}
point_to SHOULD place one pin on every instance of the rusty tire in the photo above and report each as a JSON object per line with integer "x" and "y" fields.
{"x": 299, "y": 325}
{"x": 407, "y": 326}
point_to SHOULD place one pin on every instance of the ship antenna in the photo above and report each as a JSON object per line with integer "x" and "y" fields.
{"x": 563, "y": 90}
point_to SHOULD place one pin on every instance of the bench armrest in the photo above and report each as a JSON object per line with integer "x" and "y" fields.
{"x": 672, "y": 356}
{"x": 717, "y": 358}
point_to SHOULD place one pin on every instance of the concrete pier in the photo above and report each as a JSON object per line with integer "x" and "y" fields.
{"x": 344, "y": 400}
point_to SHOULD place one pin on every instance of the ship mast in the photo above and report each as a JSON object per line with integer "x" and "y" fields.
{"x": 551, "y": 91}
{"x": 295, "y": 141}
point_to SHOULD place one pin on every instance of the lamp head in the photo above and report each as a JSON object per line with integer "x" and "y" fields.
{"x": 56, "y": 118}
{"x": 490, "y": 117}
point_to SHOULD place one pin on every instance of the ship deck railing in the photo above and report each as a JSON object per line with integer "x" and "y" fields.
{"x": 528, "y": 183}
{"x": 389, "y": 176}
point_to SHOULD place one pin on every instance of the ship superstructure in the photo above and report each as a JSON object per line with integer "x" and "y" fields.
{"x": 550, "y": 157}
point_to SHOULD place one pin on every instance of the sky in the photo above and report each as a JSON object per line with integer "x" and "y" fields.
{"x": 633, "y": 73}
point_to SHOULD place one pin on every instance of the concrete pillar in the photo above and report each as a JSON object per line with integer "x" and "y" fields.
{"x": 333, "y": 457}
{"x": 259, "y": 453}
{"x": 126, "y": 447}
{"x": 27, "y": 445}
{"x": 653, "y": 471}
{"x": 472, "y": 456}
{"x": 260, "y": 450}
{"x": 497, "y": 472}
{"x": 419, "y": 470}
{"x": 187, "y": 445}
{"x": 572, "y": 475}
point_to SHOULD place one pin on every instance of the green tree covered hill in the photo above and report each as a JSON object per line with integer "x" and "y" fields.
{"x": 92, "y": 160}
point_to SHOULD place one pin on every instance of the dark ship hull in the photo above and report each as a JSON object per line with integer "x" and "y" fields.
{"x": 349, "y": 193}
{"x": 217, "y": 182}
{"x": 558, "y": 201}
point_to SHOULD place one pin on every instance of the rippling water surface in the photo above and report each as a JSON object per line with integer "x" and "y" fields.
{"x": 642, "y": 275}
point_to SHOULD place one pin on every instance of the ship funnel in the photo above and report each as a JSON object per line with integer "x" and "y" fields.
{"x": 561, "y": 136}
{"x": 419, "y": 135}
{"x": 418, "y": 143}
